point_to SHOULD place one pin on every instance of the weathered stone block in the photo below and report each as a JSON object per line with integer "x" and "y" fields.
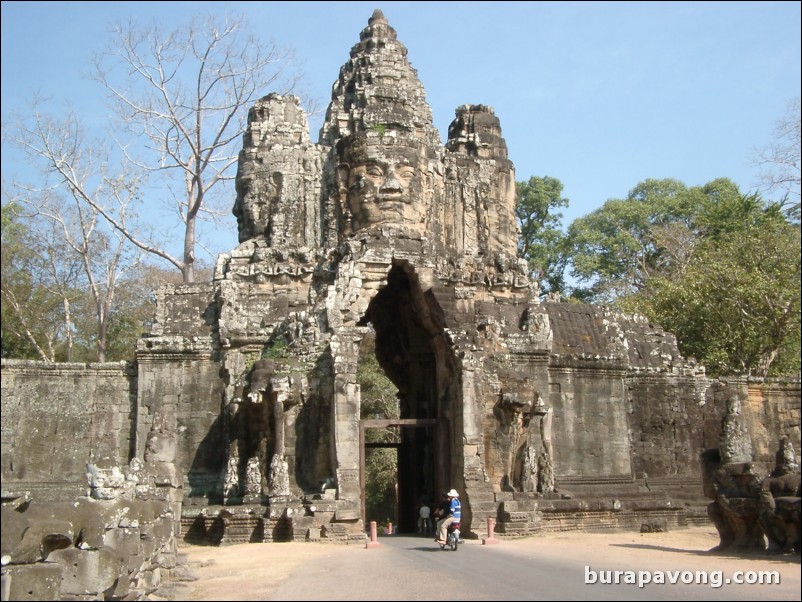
{"x": 509, "y": 506}
{"x": 346, "y": 510}
{"x": 124, "y": 540}
{"x": 79, "y": 571}
{"x": 40, "y": 581}
{"x": 40, "y": 538}
{"x": 484, "y": 507}
{"x": 161, "y": 448}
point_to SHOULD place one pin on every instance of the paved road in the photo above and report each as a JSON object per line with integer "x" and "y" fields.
{"x": 549, "y": 567}
{"x": 415, "y": 568}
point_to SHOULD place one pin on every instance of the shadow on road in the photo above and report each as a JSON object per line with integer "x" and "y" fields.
{"x": 743, "y": 554}
{"x": 426, "y": 549}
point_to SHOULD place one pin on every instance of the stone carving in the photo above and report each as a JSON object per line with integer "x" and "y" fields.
{"x": 253, "y": 478}
{"x": 547, "y": 417}
{"x": 786, "y": 459}
{"x": 257, "y": 197}
{"x": 513, "y": 416}
{"x": 277, "y": 200}
{"x": 780, "y": 502}
{"x": 248, "y": 427}
{"x": 734, "y": 490}
{"x": 136, "y": 479}
{"x": 545, "y": 473}
{"x": 381, "y": 181}
{"x": 279, "y": 477}
{"x": 747, "y": 507}
{"x": 545, "y": 483}
{"x": 529, "y": 471}
{"x": 733, "y": 482}
{"x": 257, "y": 424}
{"x": 525, "y": 431}
{"x": 380, "y": 226}
{"x": 105, "y": 483}
{"x": 259, "y": 381}
{"x": 231, "y": 477}
{"x": 735, "y": 444}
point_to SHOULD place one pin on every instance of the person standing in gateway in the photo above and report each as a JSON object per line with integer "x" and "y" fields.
{"x": 454, "y": 514}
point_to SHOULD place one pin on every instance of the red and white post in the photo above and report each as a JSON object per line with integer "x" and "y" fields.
{"x": 491, "y": 537}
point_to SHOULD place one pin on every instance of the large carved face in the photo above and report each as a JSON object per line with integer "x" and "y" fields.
{"x": 383, "y": 184}
{"x": 256, "y": 194}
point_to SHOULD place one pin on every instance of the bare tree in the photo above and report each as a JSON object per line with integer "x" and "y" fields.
{"x": 78, "y": 184}
{"x": 781, "y": 160}
{"x": 184, "y": 96}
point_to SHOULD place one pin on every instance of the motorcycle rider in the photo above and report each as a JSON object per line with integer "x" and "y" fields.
{"x": 453, "y": 516}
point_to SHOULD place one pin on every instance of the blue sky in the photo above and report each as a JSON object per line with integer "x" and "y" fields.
{"x": 600, "y": 95}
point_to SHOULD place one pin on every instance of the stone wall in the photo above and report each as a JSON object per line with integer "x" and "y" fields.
{"x": 104, "y": 527}
{"x": 590, "y": 419}
{"x": 57, "y": 418}
{"x": 773, "y": 409}
{"x": 673, "y": 419}
{"x": 184, "y": 392}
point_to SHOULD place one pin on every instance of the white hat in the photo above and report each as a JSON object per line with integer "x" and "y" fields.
{"x": 453, "y": 493}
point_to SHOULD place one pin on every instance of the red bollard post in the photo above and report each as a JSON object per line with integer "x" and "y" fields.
{"x": 373, "y": 543}
{"x": 491, "y": 537}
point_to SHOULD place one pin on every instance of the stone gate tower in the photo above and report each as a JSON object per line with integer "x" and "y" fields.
{"x": 380, "y": 228}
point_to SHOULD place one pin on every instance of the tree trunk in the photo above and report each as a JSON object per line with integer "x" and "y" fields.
{"x": 68, "y": 326}
{"x": 188, "y": 270}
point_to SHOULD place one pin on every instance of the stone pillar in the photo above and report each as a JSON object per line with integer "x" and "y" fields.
{"x": 345, "y": 428}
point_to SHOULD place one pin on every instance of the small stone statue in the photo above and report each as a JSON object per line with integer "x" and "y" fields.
{"x": 231, "y": 477}
{"x": 529, "y": 473}
{"x": 545, "y": 466}
{"x": 253, "y": 478}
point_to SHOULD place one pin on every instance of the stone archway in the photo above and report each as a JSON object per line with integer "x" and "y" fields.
{"x": 412, "y": 350}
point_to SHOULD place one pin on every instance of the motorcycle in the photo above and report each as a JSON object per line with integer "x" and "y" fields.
{"x": 452, "y": 538}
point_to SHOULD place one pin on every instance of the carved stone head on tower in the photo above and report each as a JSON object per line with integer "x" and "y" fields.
{"x": 381, "y": 179}
{"x": 257, "y": 195}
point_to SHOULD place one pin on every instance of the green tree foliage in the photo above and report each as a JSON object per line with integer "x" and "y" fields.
{"x": 32, "y": 307}
{"x": 542, "y": 242}
{"x": 379, "y": 401}
{"x": 736, "y": 306}
{"x": 715, "y": 266}
{"x": 615, "y": 249}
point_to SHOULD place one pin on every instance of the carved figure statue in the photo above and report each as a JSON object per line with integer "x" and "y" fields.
{"x": 529, "y": 471}
{"x": 231, "y": 476}
{"x": 732, "y": 482}
{"x": 545, "y": 473}
{"x": 780, "y": 502}
{"x": 253, "y": 478}
{"x": 512, "y": 413}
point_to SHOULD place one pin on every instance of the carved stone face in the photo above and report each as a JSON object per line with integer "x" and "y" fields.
{"x": 260, "y": 376}
{"x": 383, "y": 184}
{"x": 256, "y": 193}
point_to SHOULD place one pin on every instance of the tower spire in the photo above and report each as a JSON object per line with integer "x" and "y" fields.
{"x": 378, "y": 89}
